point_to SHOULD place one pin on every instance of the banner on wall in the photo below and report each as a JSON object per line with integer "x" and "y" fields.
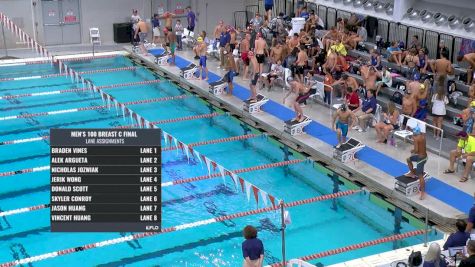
{"x": 70, "y": 17}
{"x": 180, "y": 9}
{"x": 466, "y": 47}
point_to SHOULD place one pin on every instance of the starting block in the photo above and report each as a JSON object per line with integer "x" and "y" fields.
{"x": 162, "y": 59}
{"x": 218, "y": 87}
{"x": 188, "y": 72}
{"x": 346, "y": 152}
{"x": 409, "y": 186}
{"x": 256, "y": 106}
{"x": 295, "y": 127}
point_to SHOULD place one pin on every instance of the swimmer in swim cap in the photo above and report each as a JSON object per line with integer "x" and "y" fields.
{"x": 419, "y": 156}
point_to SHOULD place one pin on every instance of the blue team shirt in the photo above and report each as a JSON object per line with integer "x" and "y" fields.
{"x": 458, "y": 239}
{"x": 369, "y": 103}
{"x": 191, "y": 19}
{"x": 155, "y": 23}
{"x": 224, "y": 39}
{"x": 305, "y": 15}
{"x": 471, "y": 215}
{"x": 252, "y": 248}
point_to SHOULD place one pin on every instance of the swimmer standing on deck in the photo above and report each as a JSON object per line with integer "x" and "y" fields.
{"x": 341, "y": 121}
{"x": 419, "y": 155}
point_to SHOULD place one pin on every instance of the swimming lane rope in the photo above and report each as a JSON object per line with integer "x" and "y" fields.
{"x": 65, "y": 74}
{"x": 171, "y": 183}
{"x": 73, "y": 110}
{"x": 173, "y": 229}
{"x": 356, "y": 246}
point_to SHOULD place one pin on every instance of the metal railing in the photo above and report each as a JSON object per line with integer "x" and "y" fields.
{"x": 425, "y": 124}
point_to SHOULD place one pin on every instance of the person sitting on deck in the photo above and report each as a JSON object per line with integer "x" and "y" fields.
{"x": 465, "y": 149}
{"x": 459, "y": 238}
{"x": 366, "y": 111}
{"x": 433, "y": 257}
{"x": 389, "y": 123}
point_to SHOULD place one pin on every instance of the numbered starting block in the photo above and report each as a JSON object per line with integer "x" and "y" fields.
{"x": 346, "y": 152}
{"x": 218, "y": 87}
{"x": 295, "y": 127}
{"x": 255, "y": 106}
{"x": 188, "y": 72}
{"x": 162, "y": 59}
{"x": 407, "y": 185}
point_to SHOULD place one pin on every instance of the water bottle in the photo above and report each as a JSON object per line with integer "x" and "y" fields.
{"x": 392, "y": 141}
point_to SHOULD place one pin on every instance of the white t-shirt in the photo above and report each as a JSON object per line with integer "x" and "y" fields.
{"x": 438, "y": 106}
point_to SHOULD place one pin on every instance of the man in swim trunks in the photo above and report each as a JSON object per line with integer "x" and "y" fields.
{"x": 231, "y": 71}
{"x": 170, "y": 38}
{"x": 340, "y": 122}
{"x": 141, "y": 31}
{"x": 301, "y": 63}
{"x": 168, "y": 17}
{"x": 245, "y": 44}
{"x": 260, "y": 51}
{"x": 201, "y": 49}
{"x": 255, "y": 77}
{"x": 295, "y": 91}
{"x": 418, "y": 155}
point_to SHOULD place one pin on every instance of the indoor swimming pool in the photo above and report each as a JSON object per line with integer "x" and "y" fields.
{"x": 314, "y": 228}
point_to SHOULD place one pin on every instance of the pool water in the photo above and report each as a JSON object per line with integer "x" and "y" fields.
{"x": 315, "y": 227}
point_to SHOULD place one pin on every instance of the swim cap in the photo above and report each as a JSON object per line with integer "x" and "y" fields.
{"x": 200, "y": 39}
{"x": 422, "y": 86}
{"x": 472, "y": 104}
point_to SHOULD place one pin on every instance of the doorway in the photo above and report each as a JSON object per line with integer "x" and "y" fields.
{"x": 61, "y": 22}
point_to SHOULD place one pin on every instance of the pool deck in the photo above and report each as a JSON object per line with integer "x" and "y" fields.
{"x": 376, "y": 179}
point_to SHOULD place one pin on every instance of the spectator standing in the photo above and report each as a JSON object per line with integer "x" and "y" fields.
{"x": 134, "y": 19}
{"x": 252, "y": 248}
{"x": 191, "y": 18}
{"x": 459, "y": 238}
{"x": 224, "y": 42}
{"x": 433, "y": 257}
{"x": 439, "y": 101}
{"x": 268, "y": 6}
{"x": 471, "y": 221}
{"x": 179, "y": 34}
{"x": 156, "y": 28}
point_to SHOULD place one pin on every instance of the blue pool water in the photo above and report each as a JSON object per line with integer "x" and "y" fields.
{"x": 314, "y": 228}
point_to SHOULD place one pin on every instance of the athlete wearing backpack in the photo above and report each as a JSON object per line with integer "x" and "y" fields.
{"x": 278, "y": 26}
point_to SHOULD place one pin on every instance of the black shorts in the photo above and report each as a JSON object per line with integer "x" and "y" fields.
{"x": 191, "y": 29}
{"x": 260, "y": 58}
{"x": 232, "y": 46}
{"x": 268, "y": 7}
{"x": 404, "y": 121}
{"x": 255, "y": 79}
{"x": 299, "y": 69}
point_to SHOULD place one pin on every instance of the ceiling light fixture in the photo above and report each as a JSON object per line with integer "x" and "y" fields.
{"x": 426, "y": 16}
{"x": 439, "y": 18}
{"x": 468, "y": 24}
